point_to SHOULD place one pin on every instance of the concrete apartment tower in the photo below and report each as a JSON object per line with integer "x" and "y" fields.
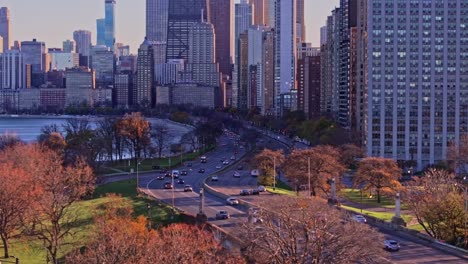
{"x": 5, "y": 27}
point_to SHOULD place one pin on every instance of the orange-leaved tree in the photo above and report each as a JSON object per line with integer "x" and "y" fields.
{"x": 265, "y": 161}
{"x": 380, "y": 174}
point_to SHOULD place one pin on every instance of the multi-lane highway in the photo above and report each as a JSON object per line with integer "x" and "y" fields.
{"x": 412, "y": 250}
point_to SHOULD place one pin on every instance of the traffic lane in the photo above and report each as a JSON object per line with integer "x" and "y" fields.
{"x": 421, "y": 252}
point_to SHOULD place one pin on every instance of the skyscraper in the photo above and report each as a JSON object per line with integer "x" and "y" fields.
{"x": 244, "y": 17}
{"x": 69, "y": 46}
{"x": 181, "y": 17}
{"x": 300, "y": 23}
{"x": 101, "y": 32}
{"x": 83, "y": 41}
{"x": 34, "y": 54}
{"x": 156, "y": 20}
{"x": 102, "y": 62}
{"x": 5, "y": 27}
{"x": 285, "y": 53}
{"x": 12, "y": 70}
{"x": 142, "y": 93}
{"x": 222, "y": 18}
{"x": 308, "y": 85}
{"x": 417, "y": 92}
{"x": 261, "y": 12}
{"x": 109, "y": 25}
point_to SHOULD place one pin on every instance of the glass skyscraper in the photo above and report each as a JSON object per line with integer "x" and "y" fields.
{"x": 109, "y": 24}
{"x": 156, "y": 20}
{"x": 101, "y": 29}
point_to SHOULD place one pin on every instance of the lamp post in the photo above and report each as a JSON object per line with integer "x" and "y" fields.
{"x": 274, "y": 173}
{"x": 148, "y": 206}
{"x": 308, "y": 167}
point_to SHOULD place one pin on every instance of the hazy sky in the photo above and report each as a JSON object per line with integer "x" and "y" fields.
{"x": 53, "y": 21}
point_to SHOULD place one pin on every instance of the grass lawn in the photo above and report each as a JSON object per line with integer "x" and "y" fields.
{"x": 31, "y": 251}
{"x": 281, "y": 188}
{"x": 354, "y": 195}
{"x": 380, "y": 215}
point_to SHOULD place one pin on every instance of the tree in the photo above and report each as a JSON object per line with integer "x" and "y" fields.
{"x": 136, "y": 130}
{"x": 266, "y": 161}
{"x": 307, "y": 230}
{"x": 54, "y": 141}
{"x": 81, "y": 141}
{"x": 350, "y": 153}
{"x": 8, "y": 140}
{"x": 61, "y": 187}
{"x": 190, "y": 139}
{"x": 438, "y": 205}
{"x": 250, "y": 136}
{"x": 180, "y": 116}
{"x": 378, "y": 173}
{"x": 208, "y": 132}
{"x": 105, "y": 132}
{"x": 458, "y": 154}
{"x": 160, "y": 135}
{"x": 324, "y": 166}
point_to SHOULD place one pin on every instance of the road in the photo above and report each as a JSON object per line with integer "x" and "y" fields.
{"x": 413, "y": 250}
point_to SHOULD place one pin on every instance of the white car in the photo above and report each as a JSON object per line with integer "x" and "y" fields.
{"x": 359, "y": 219}
{"x": 226, "y": 162}
{"x": 236, "y": 174}
{"x": 218, "y": 167}
{"x": 261, "y": 188}
{"x": 232, "y": 201}
{"x": 391, "y": 245}
{"x": 233, "y": 157}
{"x": 214, "y": 178}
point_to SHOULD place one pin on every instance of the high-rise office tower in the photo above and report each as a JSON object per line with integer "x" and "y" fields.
{"x": 157, "y": 12}
{"x": 361, "y": 66}
{"x": 83, "y": 41}
{"x": 285, "y": 55}
{"x": 5, "y": 27}
{"x": 69, "y": 46}
{"x": 12, "y": 70}
{"x": 144, "y": 83}
{"x": 222, "y": 18}
{"x": 34, "y": 54}
{"x": 123, "y": 85}
{"x": 181, "y": 17}
{"x": 102, "y": 62}
{"x": 417, "y": 74}
{"x": 268, "y": 89}
{"x": 308, "y": 84}
{"x": 101, "y": 32}
{"x": 300, "y": 23}
{"x": 79, "y": 85}
{"x": 243, "y": 71}
{"x": 261, "y": 12}
{"x": 203, "y": 67}
{"x": 243, "y": 17}
{"x": 109, "y": 24}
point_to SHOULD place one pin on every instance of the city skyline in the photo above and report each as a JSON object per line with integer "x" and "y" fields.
{"x": 130, "y": 20}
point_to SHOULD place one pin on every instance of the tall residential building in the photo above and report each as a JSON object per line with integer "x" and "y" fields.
{"x": 268, "y": 89}
{"x": 285, "y": 55}
{"x": 83, "y": 42}
{"x": 12, "y": 70}
{"x": 69, "y": 46}
{"x": 202, "y": 59}
{"x": 308, "y": 85}
{"x": 261, "y": 12}
{"x": 123, "y": 85}
{"x": 5, "y": 27}
{"x": 417, "y": 92}
{"x": 102, "y": 62}
{"x": 80, "y": 83}
{"x": 101, "y": 32}
{"x": 300, "y": 23}
{"x": 34, "y": 54}
{"x": 243, "y": 17}
{"x": 361, "y": 66}
{"x": 243, "y": 71}
{"x": 182, "y": 16}
{"x": 109, "y": 24}
{"x": 222, "y": 18}
{"x": 305, "y": 49}
{"x": 144, "y": 83}
{"x": 157, "y": 12}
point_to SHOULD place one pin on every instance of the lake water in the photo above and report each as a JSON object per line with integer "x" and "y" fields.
{"x": 28, "y": 128}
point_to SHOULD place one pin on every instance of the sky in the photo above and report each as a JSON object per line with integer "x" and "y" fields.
{"x": 54, "y": 21}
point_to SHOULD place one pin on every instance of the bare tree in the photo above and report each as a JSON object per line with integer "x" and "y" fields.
{"x": 307, "y": 230}
{"x": 457, "y": 154}
{"x": 8, "y": 140}
{"x": 190, "y": 139}
{"x": 160, "y": 135}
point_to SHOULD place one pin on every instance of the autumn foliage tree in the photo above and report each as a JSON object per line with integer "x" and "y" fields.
{"x": 324, "y": 166}
{"x": 308, "y": 230}
{"x": 136, "y": 130}
{"x": 265, "y": 161}
{"x": 437, "y": 203}
{"x": 380, "y": 174}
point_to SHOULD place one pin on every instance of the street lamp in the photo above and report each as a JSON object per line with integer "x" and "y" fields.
{"x": 148, "y": 206}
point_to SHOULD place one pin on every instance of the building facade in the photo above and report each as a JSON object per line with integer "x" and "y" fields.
{"x": 308, "y": 87}
{"x": 222, "y": 18}
{"x": 417, "y": 93}
{"x": 5, "y": 27}
{"x": 144, "y": 83}
{"x": 83, "y": 42}
{"x": 157, "y": 12}
{"x": 69, "y": 46}
{"x": 101, "y": 32}
{"x": 109, "y": 24}
{"x": 79, "y": 85}
{"x": 102, "y": 62}
{"x": 12, "y": 70}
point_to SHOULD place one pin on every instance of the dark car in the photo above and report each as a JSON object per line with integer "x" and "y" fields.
{"x": 244, "y": 192}
{"x": 201, "y": 171}
{"x": 183, "y": 173}
{"x": 240, "y": 167}
{"x": 180, "y": 181}
{"x": 189, "y": 164}
{"x": 255, "y": 192}
{"x": 168, "y": 185}
{"x": 168, "y": 174}
{"x": 222, "y": 215}
{"x": 160, "y": 177}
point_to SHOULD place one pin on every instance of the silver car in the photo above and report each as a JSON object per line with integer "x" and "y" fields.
{"x": 232, "y": 201}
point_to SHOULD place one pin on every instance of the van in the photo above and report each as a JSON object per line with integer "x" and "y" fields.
{"x": 254, "y": 173}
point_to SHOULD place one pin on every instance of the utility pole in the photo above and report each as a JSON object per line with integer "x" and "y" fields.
{"x": 308, "y": 166}
{"x": 274, "y": 173}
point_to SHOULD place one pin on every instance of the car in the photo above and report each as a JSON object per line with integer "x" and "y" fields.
{"x": 233, "y": 157}
{"x": 255, "y": 192}
{"x": 160, "y": 177}
{"x": 183, "y": 173}
{"x": 168, "y": 185}
{"x": 261, "y": 188}
{"x": 240, "y": 167}
{"x": 244, "y": 192}
{"x": 188, "y": 188}
{"x": 218, "y": 167}
{"x": 226, "y": 162}
{"x": 359, "y": 218}
{"x": 189, "y": 164}
{"x": 167, "y": 174}
{"x": 232, "y": 201}
{"x": 175, "y": 172}
{"x": 180, "y": 181}
{"x": 391, "y": 245}
{"x": 222, "y": 215}
{"x": 222, "y": 159}
{"x": 214, "y": 178}
{"x": 201, "y": 171}
{"x": 236, "y": 174}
